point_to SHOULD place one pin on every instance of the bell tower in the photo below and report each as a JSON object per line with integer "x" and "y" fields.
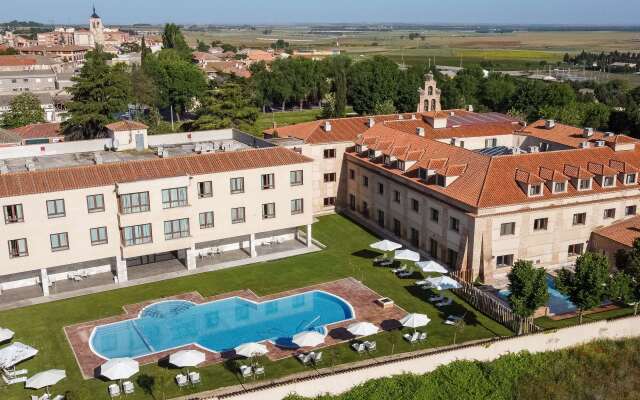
{"x": 96, "y": 28}
{"x": 429, "y": 95}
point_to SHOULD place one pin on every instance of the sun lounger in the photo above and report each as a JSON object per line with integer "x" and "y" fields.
{"x": 358, "y": 347}
{"x": 453, "y": 320}
{"x": 259, "y": 370}
{"x": 14, "y": 373}
{"x": 423, "y": 282}
{"x": 246, "y": 371}
{"x": 444, "y": 303}
{"x": 114, "y": 390}
{"x": 422, "y": 337}
{"x": 13, "y": 381}
{"x": 304, "y": 358}
{"x": 405, "y": 274}
{"x": 194, "y": 377}
{"x": 317, "y": 358}
{"x": 411, "y": 338}
{"x": 127, "y": 387}
{"x": 398, "y": 270}
{"x": 436, "y": 299}
{"x": 181, "y": 380}
{"x": 370, "y": 346}
{"x": 386, "y": 263}
{"x": 58, "y": 397}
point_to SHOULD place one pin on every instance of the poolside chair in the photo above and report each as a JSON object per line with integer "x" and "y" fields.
{"x": 453, "y": 320}
{"x": 358, "y": 347}
{"x": 411, "y": 338}
{"x": 304, "y": 358}
{"x": 317, "y": 358}
{"x": 436, "y": 299}
{"x": 370, "y": 346}
{"x": 422, "y": 337}
{"x": 246, "y": 371}
{"x": 13, "y": 381}
{"x": 444, "y": 303}
{"x": 398, "y": 270}
{"x": 423, "y": 282}
{"x": 181, "y": 380}
{"x": 114, "y": 390}
{"x": 58, "y": 397}
{"x": 405, "y": 274}
{"x": 258, "y": 370}
{"x": 128, "y": 387}
{"x": 194, "y": 377}
{"x": 34, "y": 397}
{"x": 386, "y": 263}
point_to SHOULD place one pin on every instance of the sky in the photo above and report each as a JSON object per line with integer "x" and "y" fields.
{"x": 566, "y": 12}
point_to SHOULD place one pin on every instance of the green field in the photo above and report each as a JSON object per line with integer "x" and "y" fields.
{"x": 266, "y": 120}
{"x": 42, "y": 325}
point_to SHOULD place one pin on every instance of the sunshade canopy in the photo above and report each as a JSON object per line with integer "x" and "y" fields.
{"x": 362, "y": 329}
{"x": 415, "y": 320}
{"x": 5, "y": 334}
{"x": 408, "y": 255}
{"x": 443, "y": 283}
{"x": 119, "y": 368}
{"x": 15, "y": 353}
{"x": 186, "y": 358}
{"x": 308, "y": 339}
{"x": 432, "y": 266}
{"x": 251, "y": 350}
{"x": 385, "y": 245}
{"x": 45, "y": 378}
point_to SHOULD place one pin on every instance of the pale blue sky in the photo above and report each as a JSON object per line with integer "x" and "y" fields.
{"x": 569, "y": 12}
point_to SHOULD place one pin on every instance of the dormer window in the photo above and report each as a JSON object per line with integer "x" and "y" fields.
{"x": 630, "y": 179}
{"x": 371, "y": 153}
{"x": 441, "y": 180}
{"x": 359, "y": 148}
{"x": 608, "y": 181}
{"x": 535, "y": 190}
{"x": 559, "y": 187}
{"x": 387, "y": 160}
{"x": 401, "y": 165}
{"x": 584, "y": 184}
{"x": 423, "y": 174}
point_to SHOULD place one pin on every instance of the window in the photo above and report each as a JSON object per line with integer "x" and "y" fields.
{"x": 452, "y": 258}
{"x": 396, "y": 196}
{"x": 98, "y": 235}
{"x": 608, "y": 181}
{"x": 237, "y": 185}
{"x": 134, "y": 202}
{"x": 415, "y": 205}
{"x": 504, "y": 261}
{"x": 609, "y": 213}
{"x": 59, "y": 241}
{"x": 397, "y": 227}
{"x": 365, "y": 181}
{"x": 434, "y": 215}
{"x": 490, "y": 142}
{"x": 55, "y": 208}
{"x": 441, "y": 180}
{"x": 579, "y": 219}
{"x": 575, "y": 249}
{"x": 18, "y": 248}
{"x": 237, "y": 215}
{"x": 559, "y": 187}
{"x": 507, "y": 229}
{"x": 13, "y": 214}
{"x": 205, "y": 189}
{"x": 535, "y": 190}
{"x": 137, "y": 234}
{"x": 296, "y": 177}
{"x": 329, "y": 153}
{"x": 381, "y": 218}
{"x": 380, "y": 188}
{"x": 206, "y": 220}
{"x": 175, "y": 197}
{"x": 540, "y": 224}
{"x": 176, "y": 229}
{"x": 297, "y": 206}
{"x": 630, "y": 210}
{"x": 433, "y": 248}
{"x": 584, "y": 184}
{"x": 268, "y": 210}
{"x": 352, "y": 174}
{"x": 454, "y": 224}
{"x": 415, "y": 237}
{"x": 330, "y": 177}
{"x": 630, "y": 179}
{"x": 267, "y": 181}
{"x": 365, "y": 209}
{"x": 352, "y": 202}
{"x": 95, "y": 203}
{"x": 329, "y": 201}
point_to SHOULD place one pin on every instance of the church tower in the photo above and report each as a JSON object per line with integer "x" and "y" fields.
{"x": 429, "y": 95}
{"x": 96, "y": 28}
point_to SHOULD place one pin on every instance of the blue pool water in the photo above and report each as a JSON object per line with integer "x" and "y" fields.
{"x": 219, "y": 325}
{"x": 558, "y": 303}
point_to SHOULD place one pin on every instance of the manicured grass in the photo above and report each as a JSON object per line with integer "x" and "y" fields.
{"x": 548, "y": 323}
{"x": 346, "y": 255}
{"x": 265, "y": 120}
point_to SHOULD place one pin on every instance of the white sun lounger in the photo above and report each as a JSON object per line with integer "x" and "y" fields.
{"x": 58, "y": 397}
{"x": 304, "y": 358}
{"x": 412, "y": 338}
{"x": 317, "y": 357}
{"x": 358, "y": 347}
{"x": 128, "y": 387}
{"x": 370, "y": 346}
{"x": 445, "y": 303}
{"x": 453, "y": 320}
{"x": 435, "y": 299}
{"x": 13, "y": 381}
{"x": 246, "y": 371}
{"x": 423, "y": 336}
{"x": 181, "y": 380}
{"x": 386, "y": 263}
{"x": 194, "y": 377}
{"x": 114, "y": 390}
{"x": 405, "y": 274}
{"x": 398, "y": 270}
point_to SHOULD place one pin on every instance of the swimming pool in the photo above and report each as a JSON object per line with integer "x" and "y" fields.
{"x": 219, "y": 325}
{"x": 558, "y": 303}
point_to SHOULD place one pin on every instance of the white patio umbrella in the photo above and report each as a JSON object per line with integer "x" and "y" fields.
{"x": 362, "y": 329}
{"x": 308, "y": 339}
{"x": 5, "y": 334}
{"x": 251, "y": 350}
{"x": 187, "y": 358}
{"x": 119, "y": 368}
{"x": 414, "y": 320}
{"x": 443, "y": 283}
{"x": 45, "y": 379}
{"x": 385, "y": 245}
{"x": 408, "y": 255}
{"x": 431, "y": 266}
{"x": 15, "y": 353}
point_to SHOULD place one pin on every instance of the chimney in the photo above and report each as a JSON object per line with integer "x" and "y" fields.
{"x": 550, "y": 123}
{"x": 588, "y": 132}
{"x": 400, "y": 116}
{"x": 413, "y": 117}
{"x": 327, "y": 126}
{"x": 371, "y": 122}
{"x": 438, "y": 120}
{"x": 470, "y": 108}
{"x": 420, "y": 131}
{"x": 584, "y": 145}
{"x": 609, "y": 134}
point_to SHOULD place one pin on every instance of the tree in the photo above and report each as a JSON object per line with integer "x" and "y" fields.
{"x": 372, "y": 82}
{"x": 497, "y": 92}
{"x": 588, "y": 286}
{"x": 528, "y": 287}
{"x": 336, "y": 69}
{"x": 144, "y": 90}
{"x": 99, "y": 92}
{"x": 172, "y": 38}
{"x": 627, "y": 284}
{"x": 131, "y": 47}
{"x": 384, "y": 108}
{"x": 228, "y": 107}
{"x": 202, "y": 46}
{"x": 25, "y": 109}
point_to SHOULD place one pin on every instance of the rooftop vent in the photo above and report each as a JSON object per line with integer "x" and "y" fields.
{"x": 470, "y": 108}
{"x": 550, "y": 123}
{"x": 327, "y": 126}
{"x": 452, "y": 113}
{"x": 371, "y": 122}
{"x": 400, "y": 116}
{"x": 587, "y": 132}
{"x": 413, "y": 117}
{"x": 97, "y": 158}
{"x": 609, "y": 134}
{"x": 159, "y": 150}
{"x": 420, "y": 131}
{"x": 30, "y": 165}
{"x": 164, "y": 154}
{"x": 584, "y": 145}
{"x": 599, "y": 143}
{"x": 534, "y": 149}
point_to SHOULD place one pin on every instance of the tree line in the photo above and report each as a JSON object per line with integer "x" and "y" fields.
{"x": 600, "y": 60}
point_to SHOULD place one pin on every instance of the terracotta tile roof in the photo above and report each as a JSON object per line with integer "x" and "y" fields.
{"x": 552, "y": 175}
{"x": 600, "y": 169}
{"x": 9, "y": 137}
{"x": 571, "y": 136}
{"x": 15, "y": 60}
{"x": 36, "y": 131}
{"x": 527, "y": 177}
{"x": 125, "y": 125}
{"x": 453, "y": 170}
{"x": 624, "y": 232}
{"x": 54, "y": 180}
{"x": 621, "y": 166}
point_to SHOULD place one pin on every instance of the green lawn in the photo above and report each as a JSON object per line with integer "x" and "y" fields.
{"x": 548, "y": 323}
{"x": 265, "y": 120}
{"x": 346, "y": 255}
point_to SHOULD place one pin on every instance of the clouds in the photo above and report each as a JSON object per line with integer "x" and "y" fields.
{"x": 569, "y": 12}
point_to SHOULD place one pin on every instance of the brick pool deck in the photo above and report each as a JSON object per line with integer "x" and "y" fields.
{"x": 361, "y": 298}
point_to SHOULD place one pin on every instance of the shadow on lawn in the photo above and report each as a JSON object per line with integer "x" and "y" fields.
{"x": 368, "y": 254}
